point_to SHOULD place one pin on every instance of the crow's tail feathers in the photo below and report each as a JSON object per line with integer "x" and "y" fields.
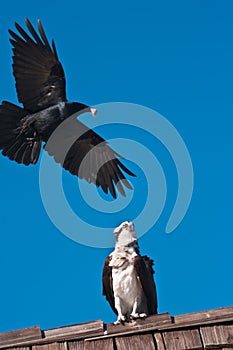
{"x": 17, "y": 141}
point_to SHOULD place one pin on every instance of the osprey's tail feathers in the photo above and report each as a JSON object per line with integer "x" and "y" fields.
{"x": 18, "y": 141}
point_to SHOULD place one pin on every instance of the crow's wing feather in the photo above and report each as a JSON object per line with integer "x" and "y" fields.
{"x": 39, "y": 76}
{"x": 97, "y": 164}
{"x": 89, "y": 157}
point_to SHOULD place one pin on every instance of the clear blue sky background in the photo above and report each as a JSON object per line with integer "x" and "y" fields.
{"x": 176, "y": 58}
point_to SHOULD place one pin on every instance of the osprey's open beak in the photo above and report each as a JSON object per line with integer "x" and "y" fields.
{"x": 93, "y": 111}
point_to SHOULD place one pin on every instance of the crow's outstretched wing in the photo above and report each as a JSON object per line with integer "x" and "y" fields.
{"x": 39, "y": 76}
{"x": 89, "y": 157}
{"x": 144, "y": 268}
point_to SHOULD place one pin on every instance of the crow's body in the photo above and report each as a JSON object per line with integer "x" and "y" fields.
{"x": 46, "y": 121}
{"x": 40, "y": 85}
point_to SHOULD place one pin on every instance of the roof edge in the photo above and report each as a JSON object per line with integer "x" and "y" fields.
{"x": 97, "y": 329}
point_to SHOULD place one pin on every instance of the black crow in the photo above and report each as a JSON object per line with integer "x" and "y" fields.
{"x": 41, "y": 88}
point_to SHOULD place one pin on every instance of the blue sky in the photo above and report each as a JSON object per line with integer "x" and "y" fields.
{"x": 175, "y": 58}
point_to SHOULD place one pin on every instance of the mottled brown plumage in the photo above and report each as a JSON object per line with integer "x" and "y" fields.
{"x": 127, "y": 278}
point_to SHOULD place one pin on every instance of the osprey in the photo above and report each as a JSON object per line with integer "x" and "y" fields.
{"x": 127, "y": 278}
{"x": 41, "y": 88}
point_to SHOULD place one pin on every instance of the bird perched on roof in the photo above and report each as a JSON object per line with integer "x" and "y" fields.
{"x": 127, "y": 277}
{"x": 41, "y": 88}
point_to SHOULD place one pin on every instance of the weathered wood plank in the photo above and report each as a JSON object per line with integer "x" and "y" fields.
{"x": 219, "y": 335}
{"x": 52, "y": 346}
{"x": 87, "y": 329}
{"x": 76, "y": 345}
{"x": 205, "y": 317}
{"x": 19, "y": 336}
{"x": 135, "y": 342}
{"x": 62, "y": 346}
{"x": 159, "y": 341}
{"x": 104, "y": 344}
{"x": 21, "y": 348}
{"x": 182, "y": 339}
{"x": 152, "y": 322}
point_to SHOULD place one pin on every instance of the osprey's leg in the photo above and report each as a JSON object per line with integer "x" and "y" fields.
{"x": 121, "y": 318}
{"x": 134, "y": 314}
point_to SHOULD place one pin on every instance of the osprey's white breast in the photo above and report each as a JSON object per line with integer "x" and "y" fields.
{"x": 126, "y": 284}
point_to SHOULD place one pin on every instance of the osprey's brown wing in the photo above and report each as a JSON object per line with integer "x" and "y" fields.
{"x": 144, "y": 268}
{"x": 39, "y": 76}
{"x": 107, "y": 287}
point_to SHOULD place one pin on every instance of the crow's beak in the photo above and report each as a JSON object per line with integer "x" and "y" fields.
{"x": 93, "y": 112}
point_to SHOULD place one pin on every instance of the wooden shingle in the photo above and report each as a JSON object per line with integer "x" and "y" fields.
{"x": 205, "y": 317}
{"x": 75, "y": 331}
{"x": 53, "y": 346}
{"x": 211, "y": 329}
{"x": 135, "y": 342}
{"x": 159, "y": 341}
{"x": 218, "y": 335}
{"x": 104, "y": 344}
{"x": 76, "y": 345}
{"x": 183, "y": 339}
{"x": 20, "y": 336}
{"x": 150, "y": 323}
{"x": 21, "y": 348}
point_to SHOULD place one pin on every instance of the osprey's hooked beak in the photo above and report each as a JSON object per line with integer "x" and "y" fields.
{"x": 93, "y": 111}
{"x": 125, "y": 224}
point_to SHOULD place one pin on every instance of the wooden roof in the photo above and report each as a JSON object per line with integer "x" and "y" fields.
{"x": 211, "y": 329}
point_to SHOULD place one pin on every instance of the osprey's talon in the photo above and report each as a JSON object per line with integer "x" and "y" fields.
{"x": 116, "y": 322}
{"x": 133, "y": 316}
{"x": 121, "y": 320}
{"x": 137, "y": 316}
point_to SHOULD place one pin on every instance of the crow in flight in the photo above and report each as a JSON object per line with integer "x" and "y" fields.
{"x": 41, "y": 88}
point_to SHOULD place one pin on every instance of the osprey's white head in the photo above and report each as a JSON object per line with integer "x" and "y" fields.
{"x": 125, "y": 234}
